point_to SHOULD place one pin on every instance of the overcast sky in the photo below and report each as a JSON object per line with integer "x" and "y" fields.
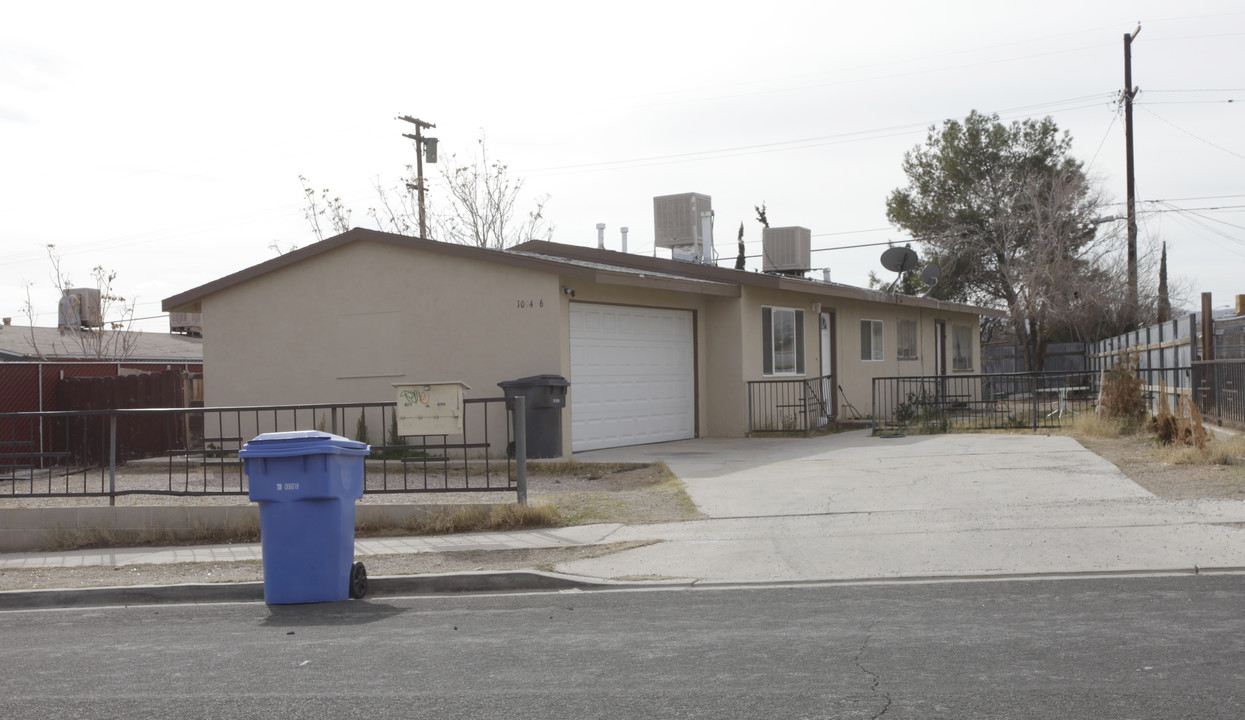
{"x": 165, "y": 140}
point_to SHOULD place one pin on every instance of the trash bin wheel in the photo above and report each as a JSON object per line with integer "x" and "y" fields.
{"x": 358, "y": 580}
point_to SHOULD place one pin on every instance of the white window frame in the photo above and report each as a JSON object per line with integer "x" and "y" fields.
{"x": 770, "y": 357}
{"x": 901, "y": 352}
{"x": 876, "y": 346}
{"x": 961, "y": 362}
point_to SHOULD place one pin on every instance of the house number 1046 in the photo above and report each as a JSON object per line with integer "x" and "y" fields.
{"x": 523, "y": 304}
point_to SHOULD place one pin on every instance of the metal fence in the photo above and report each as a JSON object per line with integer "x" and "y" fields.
{"x": 981, "y": 402}
{"x": 1217, "y": 390}
{"x": 108, "y": 453}
{"x": 789, "y": 406}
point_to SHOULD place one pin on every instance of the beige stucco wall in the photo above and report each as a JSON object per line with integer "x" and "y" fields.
{"x": 853, "y": 374}
{"x": 346, "y": 325}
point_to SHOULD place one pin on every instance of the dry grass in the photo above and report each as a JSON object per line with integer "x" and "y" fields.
{"x": 62, "y": 539}
{"x": 1094, "y": 425}
{"x": 588, "y": 471}
{"x": 1217, "y": 449}
{"x": 483, "y": 518}
{"x": 1221, "y": 449}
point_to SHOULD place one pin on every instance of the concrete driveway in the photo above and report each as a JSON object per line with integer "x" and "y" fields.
{"x": 855, "y": 506}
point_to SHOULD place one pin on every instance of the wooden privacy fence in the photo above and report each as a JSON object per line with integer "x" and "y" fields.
{"x": 1164, "y": 352}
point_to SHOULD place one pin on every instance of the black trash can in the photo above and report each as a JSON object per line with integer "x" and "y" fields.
{"x": 544, "y": 396}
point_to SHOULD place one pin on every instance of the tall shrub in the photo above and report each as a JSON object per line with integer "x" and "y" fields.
{"x": 1123, "y": 396}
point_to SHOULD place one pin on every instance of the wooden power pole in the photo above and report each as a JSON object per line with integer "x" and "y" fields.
{"x": 1129, "y": 93}
{"x": 422, "y": 145}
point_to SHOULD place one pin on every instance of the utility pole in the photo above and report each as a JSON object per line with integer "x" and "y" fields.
{"x": 423, "y": 145}
{"x": 1129, "y": 93}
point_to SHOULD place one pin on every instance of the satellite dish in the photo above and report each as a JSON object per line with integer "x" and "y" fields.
{"x": 899, "y": 259}
{"x": 931, "y": 275}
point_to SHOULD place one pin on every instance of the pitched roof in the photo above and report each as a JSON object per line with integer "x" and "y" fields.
{"x": 22, "y": 342}
{"x": 579, "y": 253}
{"x": 601, "y": 266}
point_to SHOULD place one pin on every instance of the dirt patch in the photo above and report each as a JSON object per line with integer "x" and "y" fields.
{"x": 1148, "y": 465}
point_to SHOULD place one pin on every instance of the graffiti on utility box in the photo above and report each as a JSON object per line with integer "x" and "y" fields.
{"x": 430, "y": 408}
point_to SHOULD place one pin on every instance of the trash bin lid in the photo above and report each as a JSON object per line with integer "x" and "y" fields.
{"x": 301, "y": 442}
{"x": 547, "y": 380}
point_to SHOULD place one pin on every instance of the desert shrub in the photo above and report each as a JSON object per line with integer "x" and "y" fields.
{"x": 1182, "y": 428}
{"x": 1123, "y": 396}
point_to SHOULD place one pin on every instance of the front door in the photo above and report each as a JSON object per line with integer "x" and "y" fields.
{"x": 828, "y": 399}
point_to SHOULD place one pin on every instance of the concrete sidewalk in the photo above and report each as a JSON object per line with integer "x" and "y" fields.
{"x": 851, "y": 506}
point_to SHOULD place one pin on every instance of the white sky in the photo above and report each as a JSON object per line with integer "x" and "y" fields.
{"x": 166, "y": 142}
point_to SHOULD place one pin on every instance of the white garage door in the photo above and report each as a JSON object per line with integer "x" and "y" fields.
{"x": 632, "y": 376}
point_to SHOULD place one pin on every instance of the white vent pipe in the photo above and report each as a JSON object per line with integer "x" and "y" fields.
{"x": 825, "y": 275}
{"x": 600, "y": 236}
{"x": 706, "y": 237}
{"x": 623, "y": 230}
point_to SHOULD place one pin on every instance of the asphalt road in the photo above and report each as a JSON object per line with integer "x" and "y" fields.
{"x": 1164, "y": 647}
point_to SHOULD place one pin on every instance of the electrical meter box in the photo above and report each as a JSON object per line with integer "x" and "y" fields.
{"x": 434, "y": 408}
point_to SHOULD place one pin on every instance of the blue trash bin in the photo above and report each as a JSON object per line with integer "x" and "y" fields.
{"x": 306, "y": 483}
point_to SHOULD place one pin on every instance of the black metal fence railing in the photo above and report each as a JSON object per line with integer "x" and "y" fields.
{"x": 194, "y": 451}
{"x": 1217, "y": 390}
{"x": 788, "y": 406}
{"x": 981, "y": 402}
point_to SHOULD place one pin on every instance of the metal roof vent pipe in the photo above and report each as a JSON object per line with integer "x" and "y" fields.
{"x": 600, "y": 236}
{"x": 825, "y": 275}
{"x": 623, "y": 230}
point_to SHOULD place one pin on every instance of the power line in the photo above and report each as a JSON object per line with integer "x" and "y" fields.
{"x": 1195, "y": 137}
{"x": 802, "y": 143}
{"x": 1173, "y": 208}
{"x": 1229, "y": 101}
{"x": 1198, "y": 90}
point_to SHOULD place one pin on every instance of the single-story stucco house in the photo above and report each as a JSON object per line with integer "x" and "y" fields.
{"x": 655, "y": 349}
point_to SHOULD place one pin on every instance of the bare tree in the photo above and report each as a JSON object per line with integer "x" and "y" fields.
{"x": 476, "y": 203}
{"x": 108, "y": 337}
{"x": 398, "y": 210}
{"x": 328, "y": 207}
{"x": 483, "y": 200}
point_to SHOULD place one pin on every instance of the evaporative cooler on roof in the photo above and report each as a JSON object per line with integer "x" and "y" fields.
{"x": 679, "y": 224}
{"x": 786, "y": 250}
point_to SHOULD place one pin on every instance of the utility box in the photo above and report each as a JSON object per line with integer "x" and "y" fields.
{"x": 430, "y": 408}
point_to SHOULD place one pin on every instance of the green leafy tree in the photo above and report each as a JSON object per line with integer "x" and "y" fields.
{"x": 1008, "y": 213}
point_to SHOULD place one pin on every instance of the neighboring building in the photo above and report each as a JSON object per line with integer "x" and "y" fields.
{"x": 654, "y": 349}
{"x": 23, "y": 343}
{"x": 34, "y": 361}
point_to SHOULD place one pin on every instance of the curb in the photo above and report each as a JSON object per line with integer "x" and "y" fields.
{"x": 126, "y": 595}
{"x": 506, "y": 581}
